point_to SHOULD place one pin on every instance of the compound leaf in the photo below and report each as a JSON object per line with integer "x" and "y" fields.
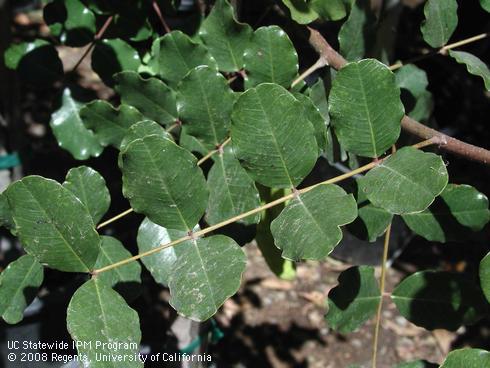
{"x": 474, "y": 65}
{"x": 441, "y": 19}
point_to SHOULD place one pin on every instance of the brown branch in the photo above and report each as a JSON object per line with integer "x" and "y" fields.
{"x": 447, "y": 143}
{"x": 158, "y": 12}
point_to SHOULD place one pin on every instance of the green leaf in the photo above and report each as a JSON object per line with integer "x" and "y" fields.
{"x": 151, "y": 96}
{"x": 416, "y": 98}
{"x": 314, "y": 116}
{"x": 113, "y": 56}
{"x": 485, "y": 276}
{"x": 406, "y": 182}
{"x": 205, "y": 102}
{"x": 300, "y": 11}
{"x": 318, "y": 96}
{"x": 468, "y": 358}
{"x": 271, "y": 138}
{"x": 329, "y": 10}
{"x": 441, "y": 19}
{"x": 191, "y": 143}
{"x": 90, "y": 188}
{"x": 36, "y": 62}
{"x": 474, "y": 65}
{"x": 109, "y": 124}
{"x": 6, "y": 219}
{"x": 309, "y": 226}
{"x": 70, "y": 132}
{"x": 163, "y": 181}
{"x": 225, "y": 37}
{"x": 358, "y": 33}
{"x": 485, "y": 4}
{"x": 125, "y": 278}
{"x": 365, "y": 108}
{"x": 231, "y": 190}
{"x": 53, "y": 225}
{"x": 270, "y": 57}
{"x": 106, "y": 326}
{"x": 140, "y": 130}
{"x": 18, "y": 287}
{"x": 457, "y": 206}
{"x": 354, "y": 300}
{"x": 175, "y": 54}
{"x": 434, "y": 300}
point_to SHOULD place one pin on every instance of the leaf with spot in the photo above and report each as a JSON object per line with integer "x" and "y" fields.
{"x": 109, "y": 124}
{"x": 270, "y": 57}
{"x": 175, "y": 54}
{"x": 205, "y": 102}
{"x": 309, "y": 226}
{"x": 271, "y": 138}
{"x": 406, "y": 182}
{"x": 441, "y": 19}
{"x": 457, "y": 207}
{"x": 354, "y": 300}
{"x": 53, "y": 225}
{"x": 473, "y": 64}
{"x": 152, "y": 97}
{"x": 225, "y": 38}
{"x": 99, "y": 317}
{"x": 434, "y": 300}
{"x": 413, "y": 84}
{"x": 90, "y": 188}
{"x": 175, "y": 194}
{"x": 365, "y": 108}
{"x": 19, "y": 283}
{"x": 485, "y": 276}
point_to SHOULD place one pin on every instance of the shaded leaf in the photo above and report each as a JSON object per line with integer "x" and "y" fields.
{"x": 365, "y": 108}
{"x": 99, "y": 317}
{"x": 270, "y": 57}
{"x": 152, "y": 97}
{"x": 309, "y": 226}
{"x": 175, "y": 54}
{"x": 406, "y": 182}
{"x": 205, "y": 102}
{"x": 314, "y": 116}
{"x": 231, "y": 191}
{"x": 354, "y": 300}
{"x": 272, "y": 140}
{"x": 474, "y": 65}
{"x": 191, "y": 143}
{"x": 485, "y": 276}
{"x": 468, "y": 358}
{"x": 70, "y": 132}
{"x": 225, "y": 37}
{"x": 300, "y": 11}
{"x": 441, "y": 19}
{"x": 329, "y": 10}
{"x": 18, "y": 287}
{"x": 6, "y": 219}
{"x": 485, "y": 4}
{"x": 90, "y": 188}
{"x": 109, "y": 124}
{"x": 434, "y": 300}
{"x": 53, "y": 225}
{"x": 175, "y": 193}
{"x": 457, "y": 206}
{"x": 416, "y": 98}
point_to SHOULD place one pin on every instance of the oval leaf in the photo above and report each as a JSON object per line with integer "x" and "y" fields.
{"x": 142, "y": 129}
{"x": 163, "y": 181}
{"x": 365, "y": 108}
{"x": 301, "y": 11}
{"x": 406, "y": 182}
{"x": 416, "y": 98}
{"x": 441, "y": 19}
{"x": 271, "y": 138}
{"x": 474, "y": 65}
{"x": 468, "y": 358}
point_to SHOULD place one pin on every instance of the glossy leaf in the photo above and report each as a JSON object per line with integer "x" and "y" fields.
{"x": 468, "y": 358}
{"x": 53, "y": 225}
{"x": 175, "y": 54}
{"x": 225, "y": 38}
{"x": 416, "y": 98}
{"x": 112, "y": 56}
{"x": 270, "y": 57}
{"x": 406, "y": 182}
{"x": 152, "y": 97}
{"x": 126, "y": 278}
{"x": 109, "y": 124}
{"x": 205, "y": 102}
{"x": 70, "y": 132}
{"x": 314, "y": 116}
{"x": 271, "y": 138}
{"x": 99, "y": 317}
{"x": 441, "y": 19}
{"x": 354, "y": 300}
{"x": 142, "y": 129}
{"x": 474, "y": 65}
{"x": 485, "y": 276}
{"x": 457, "y": 206}
{"x": 90, "y": 188}
{"x": 231, "y": 190}
{"x": 365, "y": 108}
{"x": 18, "y": 287}
{"x": 300, "y": 11}
{"x": 434, "y": 300}
{"x": 309, "y": 226}
{"x": 175, "y": 193}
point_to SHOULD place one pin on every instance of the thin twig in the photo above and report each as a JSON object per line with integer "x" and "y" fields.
{"x": 115, "y": 218}
{"x": 158, "y": 11}
{"x": 320, "y": 63}
{"x": 211, "y": 153}
{"x": 382, "y": 293}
